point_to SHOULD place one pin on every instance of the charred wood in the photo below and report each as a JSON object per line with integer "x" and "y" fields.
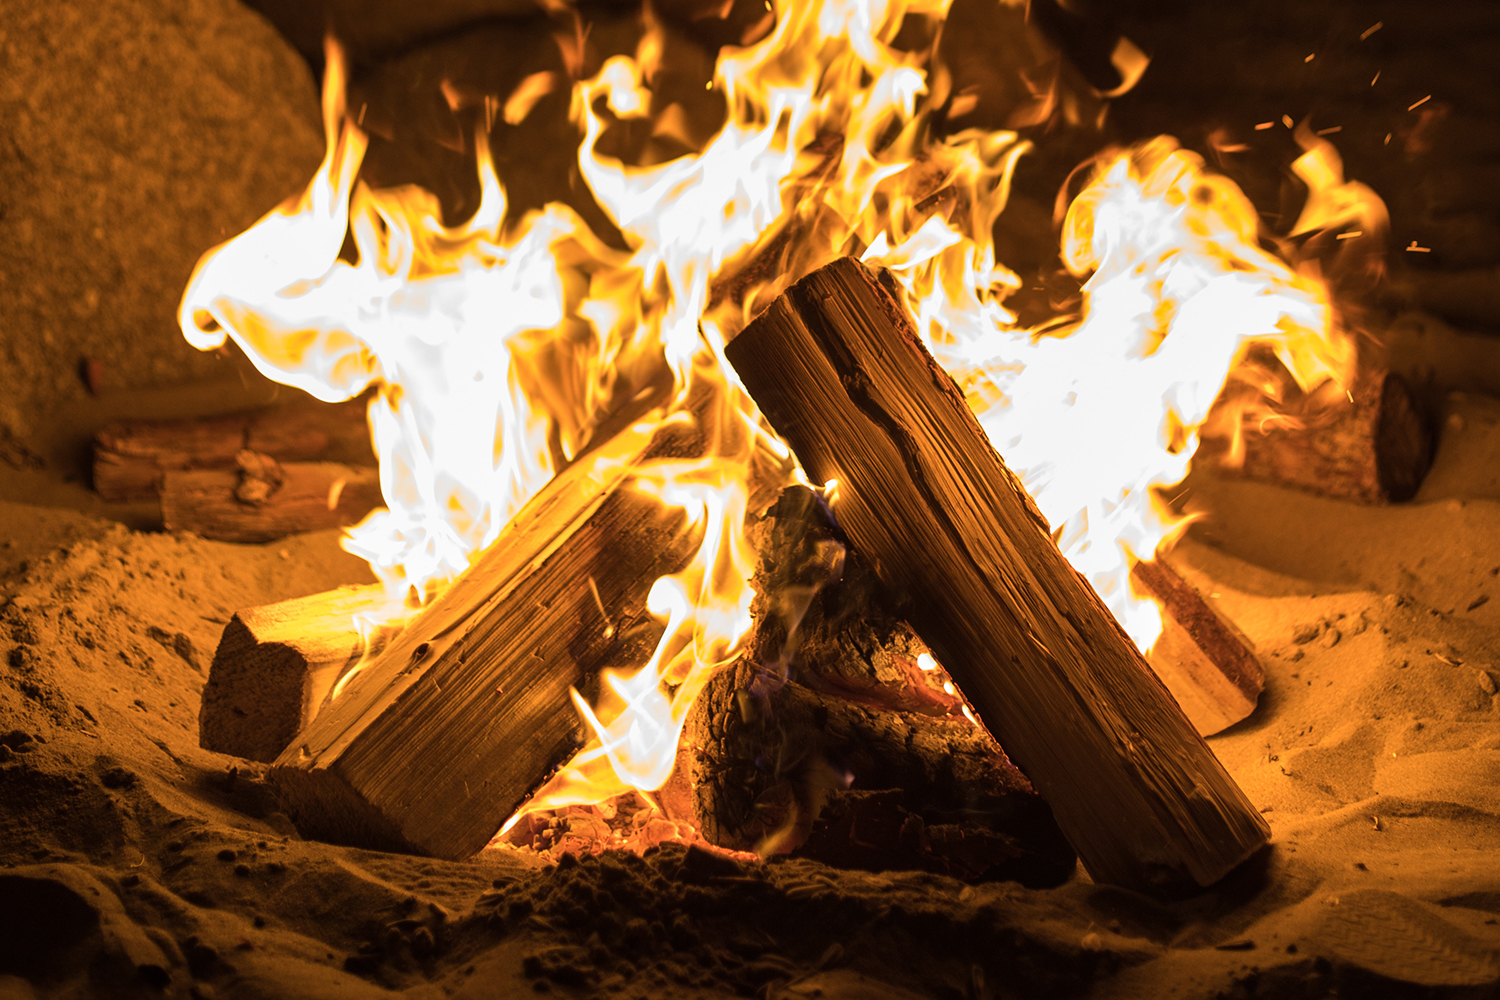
{"x": 838, "y": 370}
{"x": 829, "y": 739}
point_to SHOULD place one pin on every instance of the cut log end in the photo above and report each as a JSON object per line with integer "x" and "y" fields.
{"x": 275, "y": 666}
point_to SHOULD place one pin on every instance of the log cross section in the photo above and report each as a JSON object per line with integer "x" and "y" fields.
{"x": 839, "y": 372}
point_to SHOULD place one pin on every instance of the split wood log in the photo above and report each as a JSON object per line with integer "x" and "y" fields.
{"x": 1205, "y": 661}
{"x": 1372, "y": 446}
{"x": 839, "y": 372}
{"x": 829, "y": 739}
{"x": 130, "y": 457}
{"x": 264, "y": 500}
{"x": 276, "y": 664}
{"x": 433, "y": 744}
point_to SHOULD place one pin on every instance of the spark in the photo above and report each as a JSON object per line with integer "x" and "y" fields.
{"x": 1413, "y": 248}
{"x": 1371, "y": 30}
{"x": 1330, "y": 130}
{"x": 1264, "y": 125}
{"x": 1420, "y": 103}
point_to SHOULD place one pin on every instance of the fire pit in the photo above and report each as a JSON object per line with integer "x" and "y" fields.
{"x": 775, "y": 540}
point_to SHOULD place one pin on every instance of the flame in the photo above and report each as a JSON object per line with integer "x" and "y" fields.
{"x": 500, "y": 351}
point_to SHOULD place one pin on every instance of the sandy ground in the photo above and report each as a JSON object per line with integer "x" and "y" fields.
{"x": 136, "y": 863}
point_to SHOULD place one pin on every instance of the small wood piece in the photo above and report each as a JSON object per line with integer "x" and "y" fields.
{"x": 264, "y": 500}
{"x": 1372, "y": 448}
{"x": 839, "y": 372}
{"x": 430, "y": 747}
{"x": 130, "y": 457}
{"x": 276, "y": 665}
{"x": 1203, "y": 660}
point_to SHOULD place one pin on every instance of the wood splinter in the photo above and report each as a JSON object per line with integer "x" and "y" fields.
{"x": 839, "y": 372}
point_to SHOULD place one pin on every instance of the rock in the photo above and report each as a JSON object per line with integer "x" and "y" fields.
{"x": 134, "y": 135}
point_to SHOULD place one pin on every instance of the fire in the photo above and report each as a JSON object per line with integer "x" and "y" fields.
{"x": 499, "y": 351}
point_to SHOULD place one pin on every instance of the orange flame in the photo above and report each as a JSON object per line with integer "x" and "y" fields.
{"x": 498, "y": 354}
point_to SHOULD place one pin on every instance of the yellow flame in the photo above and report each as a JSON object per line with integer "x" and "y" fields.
{"x": 499, "y": 352}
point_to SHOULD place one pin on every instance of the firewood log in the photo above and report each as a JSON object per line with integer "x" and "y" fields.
{"x": 1205, "y": 661}
{"x": 1372, "y": 446}
{"x": 131, "y": 456}
{"x": 264, "y": 500}
{"x": 276, "y": 664}
{"x": 830, "y": 739}
{"x": 839, "y": 372}
{"x": 433, "y": 744}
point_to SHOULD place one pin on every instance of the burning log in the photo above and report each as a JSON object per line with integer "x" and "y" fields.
{"x": 434, "y": 743}
{"x": 839, "y": 372}
{"x": 1202, "y": 659}
{"x": 1372, "y": 446}
{"x": 264, "y": 500}
{"x": 835, "y": 735}
{"x": 130, "y": 457}
{"x": 276, "y": 665}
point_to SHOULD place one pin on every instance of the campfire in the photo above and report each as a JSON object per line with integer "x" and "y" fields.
{"x": 750, "y": 504}
{"x": 578, "y": 444}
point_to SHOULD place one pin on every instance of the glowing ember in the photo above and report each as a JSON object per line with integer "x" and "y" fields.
{"x": 498, "y": 353}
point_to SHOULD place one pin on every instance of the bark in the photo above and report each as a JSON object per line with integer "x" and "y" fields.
{"x": 838, "y": 370}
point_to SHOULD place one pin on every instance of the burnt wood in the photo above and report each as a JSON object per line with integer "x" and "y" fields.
{"x": 839, "y": 372}
{"x": 432, "y": 745}
{"x": 276, "y": 664}
{"x": 828, "y": 738}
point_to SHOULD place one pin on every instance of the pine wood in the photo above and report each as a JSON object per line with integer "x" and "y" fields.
{"x": 441, "y": 737}
{"x": 212, "y": 502}
{"x": 1373, "y": 449}
{"x": 277, "y": 663}
{"x": 838, "y": 371}
{"x": 1205, "y": 662}
{"x": 131, "y": 456}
